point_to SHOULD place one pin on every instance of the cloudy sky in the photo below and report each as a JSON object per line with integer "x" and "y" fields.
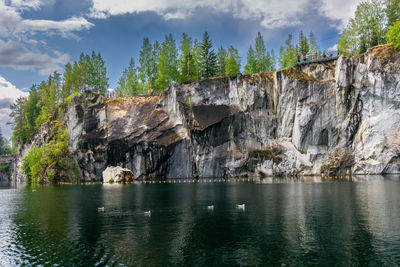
{"x": 40, "y": 36}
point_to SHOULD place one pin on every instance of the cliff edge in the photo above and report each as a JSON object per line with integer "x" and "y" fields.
{"x": 325, "y": 117}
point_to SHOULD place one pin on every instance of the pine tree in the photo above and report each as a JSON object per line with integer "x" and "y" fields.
{"x": 167, "y": 64}
{"x": 313, "y": 43}
{"x": 208, "y": 58}
{"x": 365, "y": 30}
{"x": 288, "y": 54}
{"x": 304, "y": 48}
{"x": 147, "y": 70}
{"x": 392, "y": 11}
{"x": 250, "y": 66}
{"x": 196, "y": 52}
{"x": 221, "y": 64}
{"x": 186, "y": 63}
{"x": 262, "y": 61}
{"x": 129, "y": 84}
{"x": 232, "y": 62}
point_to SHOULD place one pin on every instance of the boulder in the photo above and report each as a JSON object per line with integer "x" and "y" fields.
{"x": 117, "y": 175}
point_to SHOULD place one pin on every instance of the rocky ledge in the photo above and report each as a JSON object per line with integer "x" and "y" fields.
{"x": 342, "y": 115}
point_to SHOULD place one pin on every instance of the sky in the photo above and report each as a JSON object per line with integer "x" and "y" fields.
{"x": 38, "y": 37}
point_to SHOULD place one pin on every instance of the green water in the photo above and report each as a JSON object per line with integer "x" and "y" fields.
{"x": 291, "y": 223}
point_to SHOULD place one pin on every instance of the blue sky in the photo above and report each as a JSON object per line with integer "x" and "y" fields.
{"x": 38, "y": 37}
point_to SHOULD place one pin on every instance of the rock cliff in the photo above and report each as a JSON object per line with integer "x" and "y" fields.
{"x": 338, "y": 115}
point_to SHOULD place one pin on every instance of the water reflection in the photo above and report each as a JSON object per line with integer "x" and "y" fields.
{"x": 294, "y": 223}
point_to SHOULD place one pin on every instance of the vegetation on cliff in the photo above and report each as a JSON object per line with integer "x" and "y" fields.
{"x": 374, "y": 23}
{"x": 4, "y": 145}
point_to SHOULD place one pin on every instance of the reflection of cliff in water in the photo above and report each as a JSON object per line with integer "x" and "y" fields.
{"x": 298, "y": 223}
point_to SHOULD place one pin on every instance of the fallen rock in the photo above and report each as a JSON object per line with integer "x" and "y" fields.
{"x": 117, "y": 175}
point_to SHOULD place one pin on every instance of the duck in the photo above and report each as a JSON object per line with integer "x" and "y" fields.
{"x": 147, "y": 213}
{"x": 100, "y": 209}
{"x": 241, "y": 206}
{"x": 211, "y": 207}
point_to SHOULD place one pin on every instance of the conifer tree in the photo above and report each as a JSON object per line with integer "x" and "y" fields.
{"x": 208, "y": 58}
{"x": 221, "y": 64}
{"x": 232, "y": 62}
{"x": 250, "y": 66}
{"x": 167, "y": 64}
{"x": 304, "y": 47}
{"x": 186, "y": 61}
{"x": 392, "y": 11}
{"x": 287, "y": 54}
{"x": 313, "y": 43}
{"x": 129, "y": 84}
{"x": 365, "y": 30}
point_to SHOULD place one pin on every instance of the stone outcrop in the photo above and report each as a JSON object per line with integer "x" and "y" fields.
{"x": 305, "y": 120}
{"x": 117, "y": 175}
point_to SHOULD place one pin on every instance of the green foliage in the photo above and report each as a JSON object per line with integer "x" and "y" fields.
{"x": 5, "y": 168}
{"x": 167, "y": 64}
{"x": 287, "y": 54}
{"x": 187, "y": 65}
{"x": 393, "y": 35}
{"x": 208, "y": 58}
{"x": 4, "y": 145}
{"x": 129, "y": 84}
{"x": 88, "y": 70}
{"x": 313, "y": 43}
{"x": 232, "y": 62}
{"x": 259, "y": 60}
{"x": 147, "y": 70}
{"x": 44, "y": 162}
{"x": 304, "y": 47}
{"x": 221, "y": 62}
{"x": 250, "y": 66}
{"x": 392, "y": 11}
{"x": 365, "y": 30}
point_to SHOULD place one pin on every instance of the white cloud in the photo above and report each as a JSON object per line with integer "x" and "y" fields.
{"x": 65, "y": 27}
{"x": 18, "y": 56}
{"x": 8, "y": 94}
{"x": 12, "y": 23}
{"x": 271, "y": 13}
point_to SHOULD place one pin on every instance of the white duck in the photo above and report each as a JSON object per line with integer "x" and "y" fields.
{"x": 147, "y": 213}
{"x": 241, "y": 206}
{"x": 211, "y": 207}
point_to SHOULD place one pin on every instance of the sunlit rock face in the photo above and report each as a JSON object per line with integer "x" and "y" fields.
{"x": 299, "y": 121}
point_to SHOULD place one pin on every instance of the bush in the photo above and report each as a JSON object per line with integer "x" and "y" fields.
{"x": 45, "y": 161}
{"x": 393, "y": 35}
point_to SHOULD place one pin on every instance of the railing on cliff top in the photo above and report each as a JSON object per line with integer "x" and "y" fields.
{"x": 317, "y": 58}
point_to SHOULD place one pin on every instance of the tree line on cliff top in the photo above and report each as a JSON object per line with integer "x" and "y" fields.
{"x": 161, "y": 64}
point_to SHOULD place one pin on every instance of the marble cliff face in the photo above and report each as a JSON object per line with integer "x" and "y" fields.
{"x": 326, "y": 117}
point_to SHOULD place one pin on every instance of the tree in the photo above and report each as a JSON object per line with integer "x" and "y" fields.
{"x": 186, "y": 64}
{"x": 259, "y": 60}
{"x": 232, "y": 62}
{"x": 4, "y": 146}
{"x": 287, "y": 54}
{"x": 365, "y": 30}
{"x": 147, "y": 70}
{"x": 129, "y": 84}
{"x": 313, "y": 43}
{"x": 167, "y": 64}
{"x": 393, "y": 35}
{"x": 392, "y": 11}
{"x": 221, "y": 62}
{"x": 208, "y": 58}
{"x": 304, "y": 47}
{"x": 250, "y": 66}
{"x": 196, "y": 52}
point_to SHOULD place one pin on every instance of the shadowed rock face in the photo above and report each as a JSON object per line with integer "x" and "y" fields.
{"x": 287, "y": 122}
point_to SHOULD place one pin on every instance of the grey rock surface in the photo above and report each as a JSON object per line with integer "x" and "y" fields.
{"x": 285, "y": 123}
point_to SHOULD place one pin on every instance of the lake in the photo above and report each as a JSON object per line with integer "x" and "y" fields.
{"x": 284, "y": 223}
